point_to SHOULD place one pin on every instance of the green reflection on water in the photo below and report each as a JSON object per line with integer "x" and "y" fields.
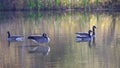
{"x": 61, "y": 28}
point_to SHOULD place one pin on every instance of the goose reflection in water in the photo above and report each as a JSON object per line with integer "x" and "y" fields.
{"x": 91, "y": 43}
{"x": 44, "y": 50}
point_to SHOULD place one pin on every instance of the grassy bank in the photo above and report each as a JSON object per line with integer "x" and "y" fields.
{"x": 56, "y": 4}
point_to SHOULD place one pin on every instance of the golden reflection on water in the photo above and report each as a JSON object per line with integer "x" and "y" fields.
{"x": 61, "y": 28}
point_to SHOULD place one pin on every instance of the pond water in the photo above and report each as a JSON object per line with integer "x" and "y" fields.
{"x": 62, "y": 51}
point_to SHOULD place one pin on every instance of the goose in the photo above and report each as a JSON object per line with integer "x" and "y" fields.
{"x": 84, "y": 38}
{"x": 14, "y": 38}
{"x": 87, "y": 34}
{"x": 39, "y": 39}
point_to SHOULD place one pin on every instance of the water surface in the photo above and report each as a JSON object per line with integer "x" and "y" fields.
{"x": 65, "y": 52}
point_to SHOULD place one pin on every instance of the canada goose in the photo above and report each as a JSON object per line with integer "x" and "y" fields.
{"x": 40, "y": 39}
{"x": 84, "y": 38}
{"x": 87, "y": 34}
{"x": 14, "y": 38}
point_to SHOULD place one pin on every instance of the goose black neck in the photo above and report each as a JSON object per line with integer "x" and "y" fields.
{"x": 89, "y": 33}
{"x": 8, "y": 34}
{"x": 93, "y": 31}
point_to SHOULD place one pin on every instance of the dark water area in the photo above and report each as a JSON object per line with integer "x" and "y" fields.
{"x": 62, "y": 51}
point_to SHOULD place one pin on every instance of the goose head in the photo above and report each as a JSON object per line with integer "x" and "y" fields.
{"x": 89, "y": 32}
{"x": 94, "y": 27}
{"x": 44, "y": 35}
